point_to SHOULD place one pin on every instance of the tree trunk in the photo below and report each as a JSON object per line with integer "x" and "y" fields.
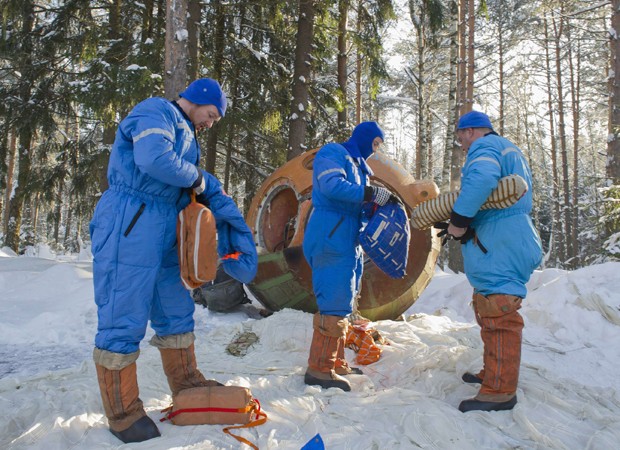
{"x": 613, "y": 142}
{"x": 557, "y": 237}
{"x": 500, "y": 51}
{"x": 25, "y": 132}
{"x": 429, "y": 143}
{"x": 343, "y": 9}
{"x": 193, "y": 38}
{"x": 575, "y": 88}
{"x": 176, "y": 51}
{"x": 421, "y": 150}
{"x": 358, "y": 68}
{"x": 147, "y": 21}
{"x": 233, "y": 96}
{"x": 10, "y": 171}
{"x": 461, "y": 89}
{"x": 220, "y": 37}
{"x": 450, "y": 146}
{"x": 470, "y": 56}
{"x": 558, "y": 31}
{"x": 301, "y": 78}
{"x": 461, "y": 84}
{"x": 60, "y": 192}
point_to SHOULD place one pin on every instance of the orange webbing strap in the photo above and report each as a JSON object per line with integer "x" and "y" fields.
{"x": 261, "y": 418}
{"x": 164, "y": 411}
{"x": 234, "y": 256}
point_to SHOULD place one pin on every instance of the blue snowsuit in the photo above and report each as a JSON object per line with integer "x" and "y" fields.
{"x": 512, "y": 243}
{"x": 331, "y": 240}
{"x": 135, "y": 268}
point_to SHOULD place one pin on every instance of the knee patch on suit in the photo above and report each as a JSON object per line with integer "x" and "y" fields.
{"x": 333, "y": 326}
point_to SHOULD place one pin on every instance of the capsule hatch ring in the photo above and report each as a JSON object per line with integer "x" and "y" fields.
{"x": 277, "y": 217}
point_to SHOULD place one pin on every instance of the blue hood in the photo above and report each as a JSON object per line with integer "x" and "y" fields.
{"x": 359, "y": 144}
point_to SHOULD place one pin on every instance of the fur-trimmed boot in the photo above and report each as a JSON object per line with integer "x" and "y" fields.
{"x": 324, "y": 351}
{"x": 180, "y": 363}
{"x": 118, "y": 384}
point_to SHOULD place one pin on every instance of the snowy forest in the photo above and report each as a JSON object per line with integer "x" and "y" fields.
{"x": 302, "y": 73}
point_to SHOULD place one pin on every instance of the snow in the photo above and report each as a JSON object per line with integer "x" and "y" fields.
{"x": 568, "y": 391}
{"x": 135, "y": 67}
{"x": 181, "y": 35}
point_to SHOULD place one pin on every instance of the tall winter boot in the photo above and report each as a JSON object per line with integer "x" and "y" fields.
{"x": 501, "y": 331}
{"x": 118, "y": 384}
{"x": 342, "y": 367}
{"x": 324, "y": 351}
{"x": 179, "y": 361}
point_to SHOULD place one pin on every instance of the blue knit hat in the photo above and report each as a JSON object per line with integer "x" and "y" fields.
{"x": 206, "y": 91}
{"x": 363, "y": 135}
{"x": 474, "y": 119}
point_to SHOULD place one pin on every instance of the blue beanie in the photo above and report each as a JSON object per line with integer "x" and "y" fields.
{"x": 206, "y": 91}
{"x": 363, "y": 135}
{"x": 474, "y": 119}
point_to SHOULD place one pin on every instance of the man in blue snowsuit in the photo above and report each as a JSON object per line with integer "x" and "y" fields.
{"x": 135, "y": 267}
{"x": 331, "y": 246}
{"x": 501, "y": 249}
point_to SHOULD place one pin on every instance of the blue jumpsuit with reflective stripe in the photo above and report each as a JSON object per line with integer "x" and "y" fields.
{"x": 512, "y": 243}
{"x": 135, "y": 267}
{"x": 331, "y": 240}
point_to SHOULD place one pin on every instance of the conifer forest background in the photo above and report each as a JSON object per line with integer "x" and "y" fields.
{"x": 301, "y": 73}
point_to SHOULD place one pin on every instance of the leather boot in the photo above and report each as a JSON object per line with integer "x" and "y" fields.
{"x": 181, "y": 370}
{"x": 324, "y": 351}
{"x": 500, "y": 328}
{"x": 126, "y": 416}
{"x": 342, "y": 366}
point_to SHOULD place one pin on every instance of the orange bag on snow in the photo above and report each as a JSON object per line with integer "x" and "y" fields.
{"x": 209, "y": 405}
{"x": 197, "y": 245}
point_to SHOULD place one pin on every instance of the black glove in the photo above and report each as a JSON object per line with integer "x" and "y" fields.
{"x": 469, "y": 234}
{"x": 443, "y": 226}
{"x": 378, "y": 195}
{"x": 443, "y": 234}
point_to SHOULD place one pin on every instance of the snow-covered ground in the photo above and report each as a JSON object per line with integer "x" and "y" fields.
{"x": 569, "y": 392}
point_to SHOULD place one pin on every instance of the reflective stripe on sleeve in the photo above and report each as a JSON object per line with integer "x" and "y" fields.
{"x": 484, "y": 158}
{"x": 509, "y": 150}
{"x": 328, "y": 171}
{"x": 150, "y": 131}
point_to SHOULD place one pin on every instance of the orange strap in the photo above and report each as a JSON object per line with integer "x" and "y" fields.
{"x": 234, "y": 255}
{"x": 261, "y": 418}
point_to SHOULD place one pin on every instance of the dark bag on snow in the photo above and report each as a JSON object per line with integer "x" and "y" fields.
{"x": 386, "y": 239}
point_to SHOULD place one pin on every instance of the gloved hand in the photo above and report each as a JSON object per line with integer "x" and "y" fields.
{"x": 379, "y": 195}
{"x": 443, "y": 226}
{"x": 199, "y": 185}
{"x": 469, "y": 234}
{"x": 443, "y": 234}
